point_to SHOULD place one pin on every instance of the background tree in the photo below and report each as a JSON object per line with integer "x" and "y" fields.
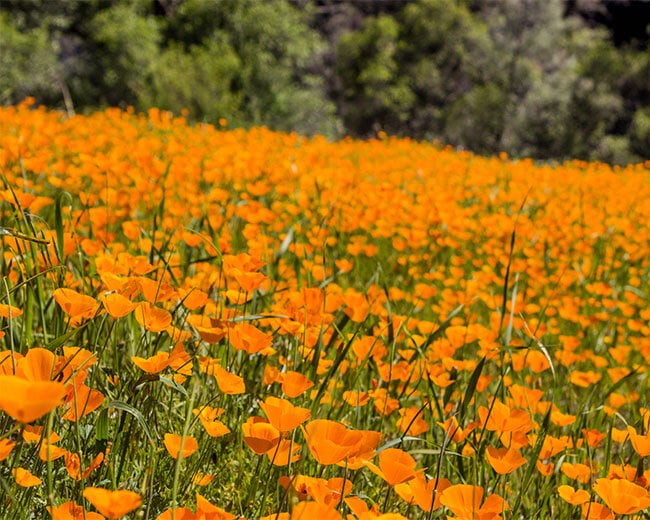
{"x": 549, "y": 79}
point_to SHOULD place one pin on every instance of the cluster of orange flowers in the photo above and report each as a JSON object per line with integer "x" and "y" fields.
{"x": 382, "y": 329}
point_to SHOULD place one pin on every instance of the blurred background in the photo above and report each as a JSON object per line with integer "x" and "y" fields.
{"x": 548, "y": 79}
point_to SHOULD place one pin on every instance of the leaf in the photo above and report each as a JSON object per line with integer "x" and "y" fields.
{"x": 135, "y": 413}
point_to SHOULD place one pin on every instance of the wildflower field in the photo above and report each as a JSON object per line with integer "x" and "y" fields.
{"x": 199, "y": 323}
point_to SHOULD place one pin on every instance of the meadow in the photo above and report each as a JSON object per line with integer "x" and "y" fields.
{"x": 204, "y": 323}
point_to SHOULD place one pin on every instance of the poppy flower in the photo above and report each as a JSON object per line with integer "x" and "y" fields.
{"x": 117, "y": 305}
{"x": 284, "y": 452}
{"x": 464, "y": 500}
{"x": 425, "y": 494}
{"x": 6, "y": 446}
{"x": 260, "y": 435}
{"x": 202, "y": 479}
{"x": 71, "y": 511}
{"x": 48, "y": 451}
{"x": 76, "y": 358}
{"x": 295, "y": 383}
{"x": 77, "y": 306}
{"x": 283, "y": 415}
{"x": 330, "y": 442}
{"x": 208, "y": 417}
{"x": 73, "y": 465}
{"x": 622, "y": 496}
{"x": 81, "y": 401}
{"x": 154, "y": 364}
{"x": 152, "y": 318}
{"x": 504, "y": 460}
{"x": 596, "y": 511}
{"x": 210, "y": 330}
{"x": 179, "y": 446}
{"x": 194, "y": 299}
{"x": 24, "y": 478}
{"x": 411, "y": 421}
{"x": 577, "y": 471}
{"x": 228, "y": 382}
{"x": 207, "y": 510}
{"x": 248, "y": 338}
{"x": 365, "y": 450}
{"x": 640, "y": 443}
{"x": 248, "y": 282}
{"x": 112, "y": 504}
{"x": 502, "y": 419}
{"x": 37, "y": 365}
{"x": 155, "y": 291}
{"x": 573, "y": 496}
{"x": 395, "y": 466}
{"x": 27, "y": 401}
{"x": 9, "y": 311}
{"x": 310, "y": 510}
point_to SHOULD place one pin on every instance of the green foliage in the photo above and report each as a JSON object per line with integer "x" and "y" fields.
{"x": 126, "y": 47}
{"x": 28, "y": 62}
{"x": 199, "y": 80}
{"x": 373, "y": 88}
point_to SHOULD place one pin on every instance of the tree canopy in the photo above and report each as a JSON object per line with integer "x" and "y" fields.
{"x": 548, "y": 79}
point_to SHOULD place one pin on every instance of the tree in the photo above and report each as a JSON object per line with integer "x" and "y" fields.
{"x": 28, "y": 61}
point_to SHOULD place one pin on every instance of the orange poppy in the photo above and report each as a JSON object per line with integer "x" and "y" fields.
{"x": 76, "y": 305}
{"x": 154, "y": 364}
{"x": 177, "y": 513}
{"x": 395, "y": 466}
{"x": 365, "y": 451}
{"x": 71, "y": 511}
{"x": 77, "y": 357}
{"x": 204, "y": 509}
{"x": 295, "y": 383}
{"x": 194, "y": 299}
{"x": 201, "y": 479}
{"x": 228, "y": 382}
{"x": 504, "y": 460}
{"x": 24, "y": 478}
{"x": 73, "y": 465}
{"x": 311, "y": 510}
{"x": 37, "y": 365}
{"x": 211, "y": 330}
{"x": 260, "y": 435}
{"x": 9, "y": 311}
{"x": 27, "y": 401}
{"x": 81, "y": 401}
{"x": 503, "y": 419}
{"x": 622, "y": 496}
{"x": 208, "y": 417}
{"x": 117, "y": 305}
{"x": 577, "y": 471}
{"x": 6, "y": 446}
{"x": 284, "y": 452}
{"x": 411, "y": 421}
{"x": 179, "y": 446}
{"x": 113, "y": 504}
{"x": 152, "y": 318}
{"x": 464, "y": 500}
{"x": 425, "y": 494}
{"x": 596, "y": 511}
{"x": 155, "y": 290}
{"x": 640, "y": 443}
{"x": 573, "y": 496}
{"x": 283, "y": 415}
{"x": 330, "y": 442}
{"x": 48, "y": 451}
{"x": 248, "y": 338}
